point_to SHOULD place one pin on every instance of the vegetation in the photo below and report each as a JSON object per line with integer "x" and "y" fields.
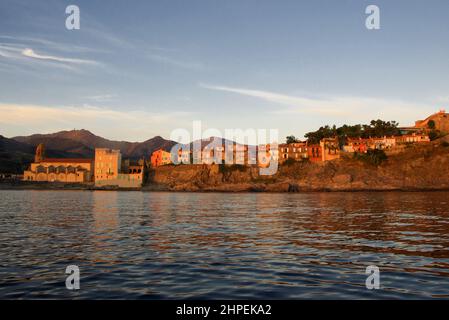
{"x": 289, "y": 162}
{"x": 373, "y": 157}
{"x": 434, "y": 134}
{"x": 431, "y": 125}
{"x": 376, "y": 128}
{"x": 292, "y": 139}
{"x": 224, "y": 168}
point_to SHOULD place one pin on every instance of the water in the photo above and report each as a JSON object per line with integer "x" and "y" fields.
{"x": 137, "y": 245}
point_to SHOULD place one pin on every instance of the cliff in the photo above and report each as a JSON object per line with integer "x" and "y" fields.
{"x": 417, "y": 168}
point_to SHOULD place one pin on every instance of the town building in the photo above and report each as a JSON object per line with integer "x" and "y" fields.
{"x": 314, "y": 153}
{"x": 330, "y": 149}
{"x": 160, "y": 158}
{"x": 107, "y": 164}
{"x": 413, "y": 138}
{"x": 295, "y": 151}
{"x": 362, "y": 145}
{"x": 110, "y": 171}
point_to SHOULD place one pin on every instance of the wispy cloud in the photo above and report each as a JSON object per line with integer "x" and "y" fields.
{"x": 21, "y": 41}
{"x": 31, "y": 54}
{"x": 24, "y": 52}
{"x": 136, "y": 125}
{"x": 337, "y": 106}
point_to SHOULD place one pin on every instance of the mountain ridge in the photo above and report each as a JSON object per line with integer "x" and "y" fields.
{"x": 84, "y": 143}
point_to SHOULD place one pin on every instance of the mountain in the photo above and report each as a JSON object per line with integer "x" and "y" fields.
{"x": 14, "y": 155}
{"x": 83, "y": 143}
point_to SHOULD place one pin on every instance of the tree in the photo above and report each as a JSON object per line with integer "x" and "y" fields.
{"x": 376, "y": 128}
{"x": 372, "y": 157}
{"x": 431, "y": 124}
{"x": 292, "y": 139}
{"x": 433, "y": 135}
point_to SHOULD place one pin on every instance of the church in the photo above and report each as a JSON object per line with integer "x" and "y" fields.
{"x": 69, "y": 170}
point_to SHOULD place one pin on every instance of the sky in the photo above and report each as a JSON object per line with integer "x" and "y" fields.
{"x": 137, "y": 69}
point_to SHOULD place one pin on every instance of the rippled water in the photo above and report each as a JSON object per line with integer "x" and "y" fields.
{"x": 220, "y": 246}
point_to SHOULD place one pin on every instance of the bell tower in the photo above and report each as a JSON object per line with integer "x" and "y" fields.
{"x": 40, "y": 153}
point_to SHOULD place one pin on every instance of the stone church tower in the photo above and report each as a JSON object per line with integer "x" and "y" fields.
{"x": 40, "y": 153}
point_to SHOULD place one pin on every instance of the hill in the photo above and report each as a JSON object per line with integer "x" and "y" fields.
{"x": 83, "y": 142}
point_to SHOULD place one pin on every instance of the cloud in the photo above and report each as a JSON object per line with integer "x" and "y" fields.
{"x": 19, "y": 119}
{"x": 347, "y": 107}
{"x": 31, "y": 54}
{"x": 24, "y": 42}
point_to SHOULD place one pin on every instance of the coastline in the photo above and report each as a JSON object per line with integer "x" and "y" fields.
{"x": 152, "y": 188}
{"x": 419, "y": 169}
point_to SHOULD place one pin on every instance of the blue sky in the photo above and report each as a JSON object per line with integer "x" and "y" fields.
{"x": 137, "y": 69}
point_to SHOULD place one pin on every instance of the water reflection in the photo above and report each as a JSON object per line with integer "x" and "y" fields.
{"x": 195, "y": 245}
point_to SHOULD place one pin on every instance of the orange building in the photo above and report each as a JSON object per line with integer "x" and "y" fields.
{"x": 160, "y": 158}
{"x": 330, "y": 149}
{"x": 109, "y": 171}
{"x": 314, "y": 153}
{"x": 107, "y": 164}
{"x": 295, "y": 151}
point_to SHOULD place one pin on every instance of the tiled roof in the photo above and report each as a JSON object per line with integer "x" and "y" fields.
{"x": 68, "y": 160}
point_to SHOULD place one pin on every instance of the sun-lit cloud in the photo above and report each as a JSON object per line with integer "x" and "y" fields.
{"x": 31, "y": 54}
{"x": 133, "y": 125}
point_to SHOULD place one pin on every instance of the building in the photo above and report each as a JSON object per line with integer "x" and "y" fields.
{"x": 107, "y": 164}
{"x": 413, "y": 138}
{"x": 362, "y": 145}
{"x": 60, "y": 170}
{"x": 295, "y": 151}
{"x": 68, "y": 170}
{"x": 109, "y": 170}
{"x": 314, "y": 153}
{"x": 330, "y": 149}
{"x": 358, "y": 145}
{"x": 160, "y": 158}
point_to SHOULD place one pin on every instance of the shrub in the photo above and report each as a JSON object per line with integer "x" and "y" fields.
{"x": 434, "y": 134}
{"x": 224, "y": 168}
{"x": 289, "y": 162}
{"x": 373, "y": 157}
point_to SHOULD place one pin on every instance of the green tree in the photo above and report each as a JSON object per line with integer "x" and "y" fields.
{"x": 376, "y": 128}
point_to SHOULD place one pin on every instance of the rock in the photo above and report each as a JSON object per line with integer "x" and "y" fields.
{"x": 342, "y": 179}
{"x": 293, "y": 187}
